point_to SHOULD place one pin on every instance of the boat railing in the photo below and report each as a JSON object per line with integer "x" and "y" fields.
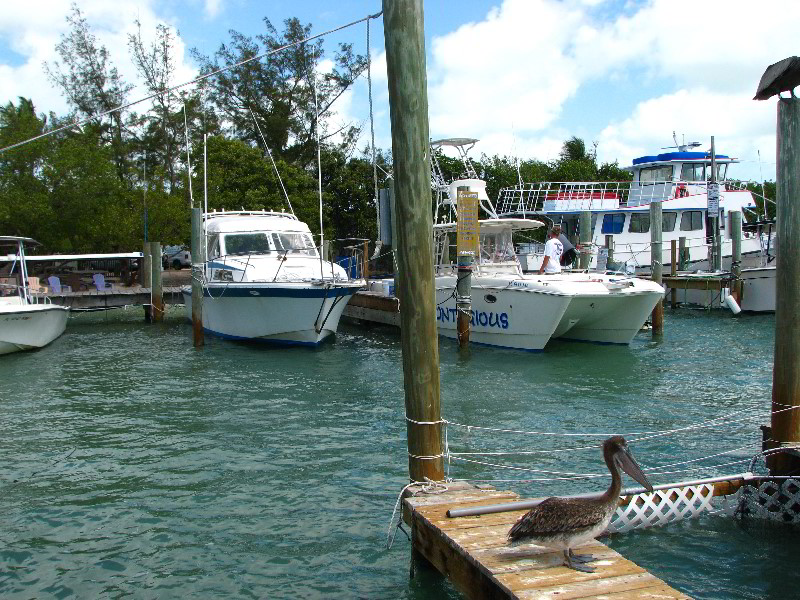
{"x": 572, "y": 196}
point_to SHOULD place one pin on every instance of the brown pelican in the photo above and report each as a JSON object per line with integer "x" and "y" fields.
{"x": 563, "y": 523}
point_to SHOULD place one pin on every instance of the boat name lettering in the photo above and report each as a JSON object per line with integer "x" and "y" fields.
{"x": 519, "y": 284}
{"x": 478, "y": 317}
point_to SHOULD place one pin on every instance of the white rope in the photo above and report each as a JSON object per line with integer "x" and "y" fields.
{"x": 428, "y": 487}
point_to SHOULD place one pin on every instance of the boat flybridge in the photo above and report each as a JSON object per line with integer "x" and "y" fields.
{"x": 264, "y": 279}
{"x": 523, "y": 310}
{"x": 679, "y": 180}
{"x": 26, "y": 322}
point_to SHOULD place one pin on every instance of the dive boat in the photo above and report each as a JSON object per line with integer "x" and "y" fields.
{"x": 679, "y": 180}
{"x": 26, "y": 322}
{"x": 264, "y": 280}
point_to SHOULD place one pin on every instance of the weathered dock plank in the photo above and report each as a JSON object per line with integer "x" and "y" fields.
{"x": 473, "y": 553}
{"x": 374, "y": 308}
{"x": 111, "y": 298}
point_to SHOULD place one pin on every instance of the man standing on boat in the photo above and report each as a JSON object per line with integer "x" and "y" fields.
{"x": 569, "y": 255}
{"x": 553, "y": 249}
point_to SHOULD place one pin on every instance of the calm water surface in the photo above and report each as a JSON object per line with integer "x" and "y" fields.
{"x": 133, "y": 465}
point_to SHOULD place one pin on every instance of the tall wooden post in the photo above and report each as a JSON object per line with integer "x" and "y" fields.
{"x": 147, "y": 278}
{"x": 467, "y": 232}
{"x": 157, "y": 290}
{"x": 716, "y": 239}
{"x": 673, "y": 271}
{"x": 585, "y": 225}
{"x": 786, "y": 373}
{"x": 736, "y": 255}
{"x": 366, "y": 262}
{"x": 408, "y": 107}
{"x": 609, "y": 247}
{"x": 656, "y": 263}
{"x": 198, "y": 256}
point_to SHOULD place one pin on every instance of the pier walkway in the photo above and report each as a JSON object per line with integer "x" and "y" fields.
{"x": 473, "y": 553}
{"x": 111, "y": 298}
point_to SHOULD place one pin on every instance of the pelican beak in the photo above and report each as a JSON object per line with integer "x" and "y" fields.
{"x": 629, "y": 465}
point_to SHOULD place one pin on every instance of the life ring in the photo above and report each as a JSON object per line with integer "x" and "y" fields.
{"x": 681, "y": 191}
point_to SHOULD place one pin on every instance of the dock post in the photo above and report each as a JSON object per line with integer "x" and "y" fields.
{"x": 673, "y": 271}
{"x": 585, "y": 225}
{"x": 609, "y": 248}
{"x": 716, "y": 240}
{"x": 147, "y": 279}
{"x": 736, "y": 255}
{"x": 656, "y": 263}
{"x": 786, "y": 373}
{"x": 366, "y": 262}
{"x": 157, "y": 290}
{"x": 466, "y": 249}
{"x": 197, "y": 277}
{"x": 683, "y": 254}
{"x": 408, "y": 109}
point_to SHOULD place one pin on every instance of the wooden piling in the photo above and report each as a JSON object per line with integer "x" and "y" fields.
{"x": 147, "y": 278}
{"x": 408, "y": 108}
{"x": 786, "y": 373}
{"x": 683, "y": 254}
{"x": 673, "y": 271}
{"x": 656, "y": 264}
{"x": 156, "y": 289}
{"x": 366, "y": 262}
{"x": 736, "y": 255}
{"x": 198, "y": 257}
{"x": 609, "y": 248}
{"x": 465, "y": 261}
{"x": 585, "y": 226}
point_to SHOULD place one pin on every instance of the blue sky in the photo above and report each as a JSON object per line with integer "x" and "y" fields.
{"x": 520, "y": 75}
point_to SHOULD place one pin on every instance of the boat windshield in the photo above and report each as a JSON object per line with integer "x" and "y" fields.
{"x": 247, "y": 243}
{"x": 497, "y": 247}
{"x": 294, "y": 243}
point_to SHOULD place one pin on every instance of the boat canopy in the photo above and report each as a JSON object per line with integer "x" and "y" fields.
{"x": 669, "y": 157}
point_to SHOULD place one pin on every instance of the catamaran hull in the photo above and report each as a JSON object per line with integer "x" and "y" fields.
{"x": 278, "y": 314}
{"x": 613, "y": 318}
{"x": 31, "y": 326}
{"x": 501, "y": 315}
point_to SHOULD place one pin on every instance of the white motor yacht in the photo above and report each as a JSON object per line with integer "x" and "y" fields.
{"x": 264, "y": 279}
{"x": 26, "y": 322}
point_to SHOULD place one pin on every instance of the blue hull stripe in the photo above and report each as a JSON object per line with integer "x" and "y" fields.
{"x": 235, "y": 291}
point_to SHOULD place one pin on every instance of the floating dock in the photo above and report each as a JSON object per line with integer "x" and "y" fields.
{"x": 473, "y": 553}
{"x": 111, "y": 298}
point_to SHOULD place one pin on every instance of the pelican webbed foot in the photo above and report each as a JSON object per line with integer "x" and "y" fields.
{"x": 578, "y": 562}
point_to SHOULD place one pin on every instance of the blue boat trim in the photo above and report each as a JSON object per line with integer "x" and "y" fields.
{"x": 670, "y": 156}
{"x": 237, "y": 291}
{"x": 219, "y": 265}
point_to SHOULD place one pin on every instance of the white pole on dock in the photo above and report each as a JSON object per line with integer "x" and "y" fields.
{"x": 197, "y": 277}
{"x": 656, "y": 263}
{"x": 408, "y": 107}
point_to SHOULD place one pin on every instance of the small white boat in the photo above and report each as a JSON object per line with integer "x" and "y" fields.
{"x": 264, "y": 279}
{"x": 26, "y": 322}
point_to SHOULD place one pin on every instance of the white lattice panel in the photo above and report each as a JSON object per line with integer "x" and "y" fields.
{"x": 779, "y": 501}
{"x": 662, "y": 507}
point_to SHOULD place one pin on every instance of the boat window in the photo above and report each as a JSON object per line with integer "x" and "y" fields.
{"x": 294, "y": 243}
{"x": 246, "y": 243}
{"x": 655, "y": 174}
{"x": 640, "y": 223}
{"x": 613, "y": 222}
{"x": 668, "y": 221}
{"x": 693, "y": 172}
{"x": 212, "y": 246}
{"x": 496, "y": 247}
{"x": 692, "y": 220}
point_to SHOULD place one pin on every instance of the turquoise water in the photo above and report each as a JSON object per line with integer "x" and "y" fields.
{"x": 133, "y": 465}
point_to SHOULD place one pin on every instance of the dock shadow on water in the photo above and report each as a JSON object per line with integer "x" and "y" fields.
{"x": 133, "y": 464}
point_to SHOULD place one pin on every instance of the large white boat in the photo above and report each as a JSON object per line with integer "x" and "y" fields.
{"x": 26, "y": 322}
{"x": 679, "y": 180}
{"x": 264, "y": 279}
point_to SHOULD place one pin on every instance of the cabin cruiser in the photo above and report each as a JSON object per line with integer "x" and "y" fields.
{"x": 264, "y": 279}
{"x": 679, "y": 180}
{"x": 26, "y": 322}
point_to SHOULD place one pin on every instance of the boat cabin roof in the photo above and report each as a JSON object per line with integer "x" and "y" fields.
{"x": 668, "y": 158}
{"x": 494, "y": 225}
{"x": 230, "y": 222}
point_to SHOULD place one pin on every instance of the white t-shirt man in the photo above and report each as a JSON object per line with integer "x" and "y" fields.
{"x": 553, "y": 249}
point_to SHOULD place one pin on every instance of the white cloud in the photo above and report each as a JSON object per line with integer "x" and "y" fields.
{"x": 508, "y": 78}
{"x": 34, "y": 35}
{"x": 212, "y": 8}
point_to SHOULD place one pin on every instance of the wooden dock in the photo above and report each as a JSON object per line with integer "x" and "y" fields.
{"x": 373, "y": 308}
{"x": 473, "y": 553}
{"x": 112, "y": 298}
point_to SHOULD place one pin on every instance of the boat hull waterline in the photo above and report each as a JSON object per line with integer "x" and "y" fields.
{"x": 30, "y": 326}
{"x": 285, "y": 313}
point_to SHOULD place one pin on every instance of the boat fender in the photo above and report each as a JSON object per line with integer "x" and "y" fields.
{"x": 731, "y": 303}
